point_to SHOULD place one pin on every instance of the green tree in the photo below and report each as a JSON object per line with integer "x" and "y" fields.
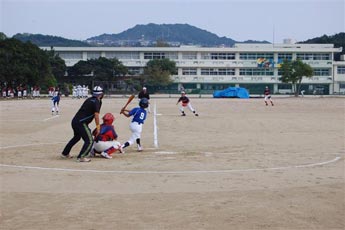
{"x": 24, "y": 63}
{"x": 81, "y": 68}
{"x": 57, "y": 64}
{"x": 108, "y": 69}
{"x": 293, "y": 72}
{"x": 2, "y": 36}
{"x": 337, "y": 39}
{"x": 101, "y": 69}
{"x": 158, "y": 72}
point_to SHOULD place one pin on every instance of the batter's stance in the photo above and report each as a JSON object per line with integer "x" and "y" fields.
{"x": 139, "y": 116}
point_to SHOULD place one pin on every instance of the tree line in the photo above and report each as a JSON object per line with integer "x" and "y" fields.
{"x": 25, "y": 64}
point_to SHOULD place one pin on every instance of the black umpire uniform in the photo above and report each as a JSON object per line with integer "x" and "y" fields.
{"x": 85, "y": 115}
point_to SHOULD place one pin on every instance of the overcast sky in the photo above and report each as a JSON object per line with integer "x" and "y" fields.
{"x": 270, "y": 20}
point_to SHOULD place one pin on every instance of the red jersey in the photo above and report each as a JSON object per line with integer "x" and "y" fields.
{"x": 107, "y": 133}
{"x": 184, "y": 99}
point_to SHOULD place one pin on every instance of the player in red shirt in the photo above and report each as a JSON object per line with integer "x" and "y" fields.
{"x": 267, "y": 94}
{"x": 185, "y": 103}
{"x": 105, "y": 143}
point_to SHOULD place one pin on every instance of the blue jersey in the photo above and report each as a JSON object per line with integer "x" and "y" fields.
{"x": 139, "y": 115}
{"x": 56, "y": 99}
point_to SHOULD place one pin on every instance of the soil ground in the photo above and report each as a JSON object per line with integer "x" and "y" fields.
{"x": 239, "y": 165}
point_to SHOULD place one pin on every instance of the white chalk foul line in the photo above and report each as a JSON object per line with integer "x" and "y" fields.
{"x": 172, "y": 172}
{"x": 26, "y": 145}
{"x": 52, "y": 117}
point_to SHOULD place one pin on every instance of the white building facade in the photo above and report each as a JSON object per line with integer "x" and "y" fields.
{"x": 246, "y": 65}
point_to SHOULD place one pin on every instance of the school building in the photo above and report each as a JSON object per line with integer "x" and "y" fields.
{"x": 252, "y": 66}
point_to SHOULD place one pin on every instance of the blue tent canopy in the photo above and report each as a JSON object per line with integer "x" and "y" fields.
{"x": 231, "y": 92}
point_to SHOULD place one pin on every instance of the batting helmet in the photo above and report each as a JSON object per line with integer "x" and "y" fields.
{"x": 97, "y": 90}
{"x": 144, "y": 103}
{"x": 108, "y": 118}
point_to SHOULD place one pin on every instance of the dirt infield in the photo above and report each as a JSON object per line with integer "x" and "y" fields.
{"x": 239, "y": 165}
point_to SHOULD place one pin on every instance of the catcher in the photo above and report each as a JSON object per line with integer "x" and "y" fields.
{"x": 105, "y": 142}
{"x": 185, "y": 102}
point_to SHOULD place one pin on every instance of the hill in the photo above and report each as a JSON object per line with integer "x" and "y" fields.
{"x": 172, "y": 34}
{"x": 169, "y": 34}
{"x": 337, "y": 39}
{"x": 47, "y": 40}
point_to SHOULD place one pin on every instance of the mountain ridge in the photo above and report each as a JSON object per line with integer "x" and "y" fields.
{"x": 173, "y": 34}
{"x": 166, "y": 34}
{"x": 140, "y": 35}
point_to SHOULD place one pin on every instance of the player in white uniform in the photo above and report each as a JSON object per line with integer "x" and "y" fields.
{"x": 74, "y": 92}
{"x": 79, "y": 91}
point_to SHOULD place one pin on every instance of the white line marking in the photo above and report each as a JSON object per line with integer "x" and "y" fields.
{"x": 155, "y": 136}
{"x": 52, "y": 117}
{"x": 34, "y": 144}
{"x": 165, "y": 153}
{"x": 19, "y": 120}
{"x": 38, "y": 144}
{"x": 172, "y": 172}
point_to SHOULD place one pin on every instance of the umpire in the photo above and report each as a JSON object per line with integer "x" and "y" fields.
{"x": 89, "y": 110}
{"x": 145, "y": 94}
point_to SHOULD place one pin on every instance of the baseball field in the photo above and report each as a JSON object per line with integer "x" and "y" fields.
{"x": 239, "y": 165}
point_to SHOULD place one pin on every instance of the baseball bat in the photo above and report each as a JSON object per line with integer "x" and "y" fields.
{"x": 128, "y": 101}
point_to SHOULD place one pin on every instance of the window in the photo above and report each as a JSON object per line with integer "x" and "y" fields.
{"x": 341, "y": 70}
{"x": 160, "y": 55}
{"x": 122, "y": 55}
{"x": 257, "y": 72}
{"x": 280, "y": 72}
{"x": 155, "y": 55}
{"x": 171, "y": 55}
{"x": 226, "y": 71}
{"x": 322, "y": 72}
{"x": 188, "y": 71}
{"x": 189, "y": 55}
{"x": 314, "y": 56}
{"x": 285, "y": 56}
{"x": 218, "y": 56}
{"x": 220, "y": 72}
{"x": 255, "y": 56}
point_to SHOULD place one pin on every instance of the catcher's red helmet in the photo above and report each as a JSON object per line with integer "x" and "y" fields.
{"x": 108, "y": 118}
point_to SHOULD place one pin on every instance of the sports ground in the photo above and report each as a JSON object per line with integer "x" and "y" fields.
{"x": 239, "y": 165}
